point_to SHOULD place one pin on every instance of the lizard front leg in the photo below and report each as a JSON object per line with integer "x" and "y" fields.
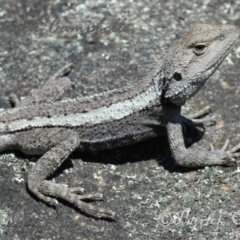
{"x": 58, "y": 144}
{"x": 195, "y": 157}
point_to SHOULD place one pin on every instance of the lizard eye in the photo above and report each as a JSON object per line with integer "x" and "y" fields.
{"x": 199, "y": 48}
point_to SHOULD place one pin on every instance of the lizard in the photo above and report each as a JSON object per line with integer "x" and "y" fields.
{"x": 45, "y": 124}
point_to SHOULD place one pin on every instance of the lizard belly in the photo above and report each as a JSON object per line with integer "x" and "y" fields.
{"x": 138, "y": 127}
{"x": 124, "y": 138}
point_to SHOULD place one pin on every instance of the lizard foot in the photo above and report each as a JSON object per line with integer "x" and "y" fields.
{"x": 193, "y": 119}
{"x": 227, "y": 156}
{"x": 75, "y": 196}
{"x": 48, "y": 200}
{"x": 190, "y": 121}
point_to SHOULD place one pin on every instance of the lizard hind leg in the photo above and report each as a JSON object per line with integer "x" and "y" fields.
{"x": 64, "y": 142}
{"x": 52, "y": 90}
{"x": 51, "y": 160}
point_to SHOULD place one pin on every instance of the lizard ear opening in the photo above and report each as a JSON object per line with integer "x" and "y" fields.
{"x": 177, "y": 76}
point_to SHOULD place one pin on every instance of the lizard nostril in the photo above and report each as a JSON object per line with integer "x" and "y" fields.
{"x": 177, "y": 76}
{"x": 221, "y": 37}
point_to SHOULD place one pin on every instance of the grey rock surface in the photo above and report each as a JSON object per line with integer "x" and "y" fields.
{"x": 153, "y": 198}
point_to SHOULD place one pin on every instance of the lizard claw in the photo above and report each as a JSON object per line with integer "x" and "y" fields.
{"x": 227, "y": 156}
{"x": 200, "y": 113}
{"x": 224, "y": 147}
{"x": 75, "y": 196}
{"x": 193, "y": 119}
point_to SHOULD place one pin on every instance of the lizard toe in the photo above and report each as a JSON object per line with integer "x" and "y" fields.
{"x": 48, "y": 200}
{"x": 71, "y": 195}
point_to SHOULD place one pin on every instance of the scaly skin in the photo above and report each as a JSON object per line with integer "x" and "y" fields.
{"x": 43, "y": 124}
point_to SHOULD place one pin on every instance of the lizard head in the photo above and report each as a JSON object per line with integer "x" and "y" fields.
{"x": 194, "y": 58}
